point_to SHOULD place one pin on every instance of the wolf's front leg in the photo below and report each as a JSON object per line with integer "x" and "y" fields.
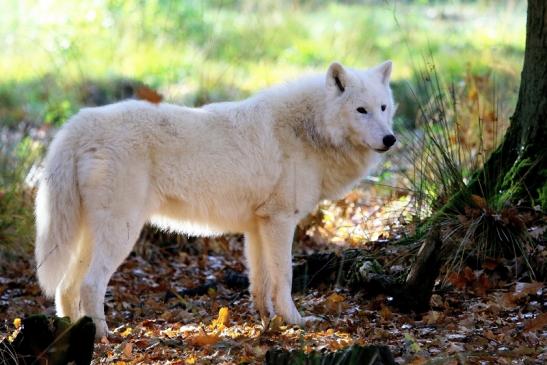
{"x": 277, "y": 237}
{"x": 259, "y": 278}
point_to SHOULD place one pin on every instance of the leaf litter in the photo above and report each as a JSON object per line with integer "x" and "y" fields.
{"x": 169, "y": 303}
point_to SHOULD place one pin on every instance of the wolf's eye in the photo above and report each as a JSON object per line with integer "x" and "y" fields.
{"x": 362, "y": 110}
{"x": 383, "y": 107}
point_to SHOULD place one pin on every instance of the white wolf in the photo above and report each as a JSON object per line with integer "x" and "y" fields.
{"x": 255, "y": 166}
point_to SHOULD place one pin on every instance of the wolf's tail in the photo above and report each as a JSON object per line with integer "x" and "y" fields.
{"x": 57, "y": 214}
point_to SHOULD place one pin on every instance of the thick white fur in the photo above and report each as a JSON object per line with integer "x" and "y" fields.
{"x": 255, "y": 166}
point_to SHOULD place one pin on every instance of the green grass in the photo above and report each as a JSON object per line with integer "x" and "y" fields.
{"x": 246, "y": 45}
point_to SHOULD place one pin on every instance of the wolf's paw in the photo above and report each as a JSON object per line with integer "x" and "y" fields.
{"x": 101, "y": 329}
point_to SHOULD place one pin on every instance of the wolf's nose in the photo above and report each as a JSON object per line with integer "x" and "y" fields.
{"x": 389, "y": 140}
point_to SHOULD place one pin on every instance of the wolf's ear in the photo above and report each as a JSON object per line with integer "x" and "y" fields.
{"x": 385, "y": 71}
{"x": 337, "y": 77}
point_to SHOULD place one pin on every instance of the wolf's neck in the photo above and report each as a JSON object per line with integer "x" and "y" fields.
{"x": 300, "y": 108}
{"x": 301, "y": 113}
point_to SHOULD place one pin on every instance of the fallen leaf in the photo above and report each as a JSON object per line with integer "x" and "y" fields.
{"x": 489, "y": 264}
{"x": 537, "y": 323}
{"x": 148, "y": 94}
{"x": 275, "y": 323}
{"x": 336, "y": 298}
{"x": 432, "y": 317}
{"x": 385, "y": 313}
{"x": 334, "y": 303}
{"x": 223, "y": 317}
{"x": 126, "y": 332}
{"x": 479, "y": 201}
{"x": 528, "y": 288}
{"x": 469, "y": 274}
{"x": 436, "y": 301}
{"x": 490, "y": 335}
{"x": 418, "y": 361}
{"x": 482, "y": 285}
{"x": 204, "y": 339}
{"x": 128, "y": 349}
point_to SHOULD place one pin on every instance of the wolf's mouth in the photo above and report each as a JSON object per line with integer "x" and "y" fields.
{"x": 381, "y": 150}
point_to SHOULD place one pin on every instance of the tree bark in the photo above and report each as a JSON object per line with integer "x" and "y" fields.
{"x": 525, "y": 139}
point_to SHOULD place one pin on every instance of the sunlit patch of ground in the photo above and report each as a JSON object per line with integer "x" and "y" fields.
{"x": 360, "y": 218}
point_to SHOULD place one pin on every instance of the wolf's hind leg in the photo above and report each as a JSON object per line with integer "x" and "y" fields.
{"x": 114, "y": 239}
{"x": 67, "y": 294}
{"x": 259, "y": 278}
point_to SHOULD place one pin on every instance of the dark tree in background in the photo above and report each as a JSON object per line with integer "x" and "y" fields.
{"x": 516, "y": 171}
{"x": 521, "y": 156}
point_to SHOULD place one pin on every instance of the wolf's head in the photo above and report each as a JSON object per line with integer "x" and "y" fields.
{"x": 359, "y": 106}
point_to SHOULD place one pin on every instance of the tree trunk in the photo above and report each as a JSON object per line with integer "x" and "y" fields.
{"x": 520, "y": 159}
{"x": 517, "y": 169}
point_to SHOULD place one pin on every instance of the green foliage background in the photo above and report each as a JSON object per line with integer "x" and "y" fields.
{"x": 58, "y": 56}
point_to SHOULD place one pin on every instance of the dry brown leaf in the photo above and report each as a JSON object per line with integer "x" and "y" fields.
{"x": 432, "y": 317}
{"x": 482, "y": 285}
{"x": 490, "y": 335}
{"x": 418, "y": 361}
{"x": 385, "y": 313}
{"x": 128, "y": 349}
{"x": 469, "y": 274}
{"x": 457, "y": 280}
{"x": 479, "y": 201}
{"x": 528, "y": 288}
{"x": 148, "y": 94}
{"x": 490, "y": 264}
{"x": 537, "y": 323}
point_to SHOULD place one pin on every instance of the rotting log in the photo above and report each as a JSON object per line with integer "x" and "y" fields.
{"x": 353, "y": 355}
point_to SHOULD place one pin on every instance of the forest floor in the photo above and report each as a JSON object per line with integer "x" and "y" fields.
{"x": 164, "y": 306}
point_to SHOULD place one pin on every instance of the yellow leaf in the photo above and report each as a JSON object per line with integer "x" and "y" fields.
{"x": 276, "y": 323}
{"x": 191, "y": 360}
{"x": 223, "y": 316}
{"x": 17, "y": 322}
{"x": 127, "y": 332}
